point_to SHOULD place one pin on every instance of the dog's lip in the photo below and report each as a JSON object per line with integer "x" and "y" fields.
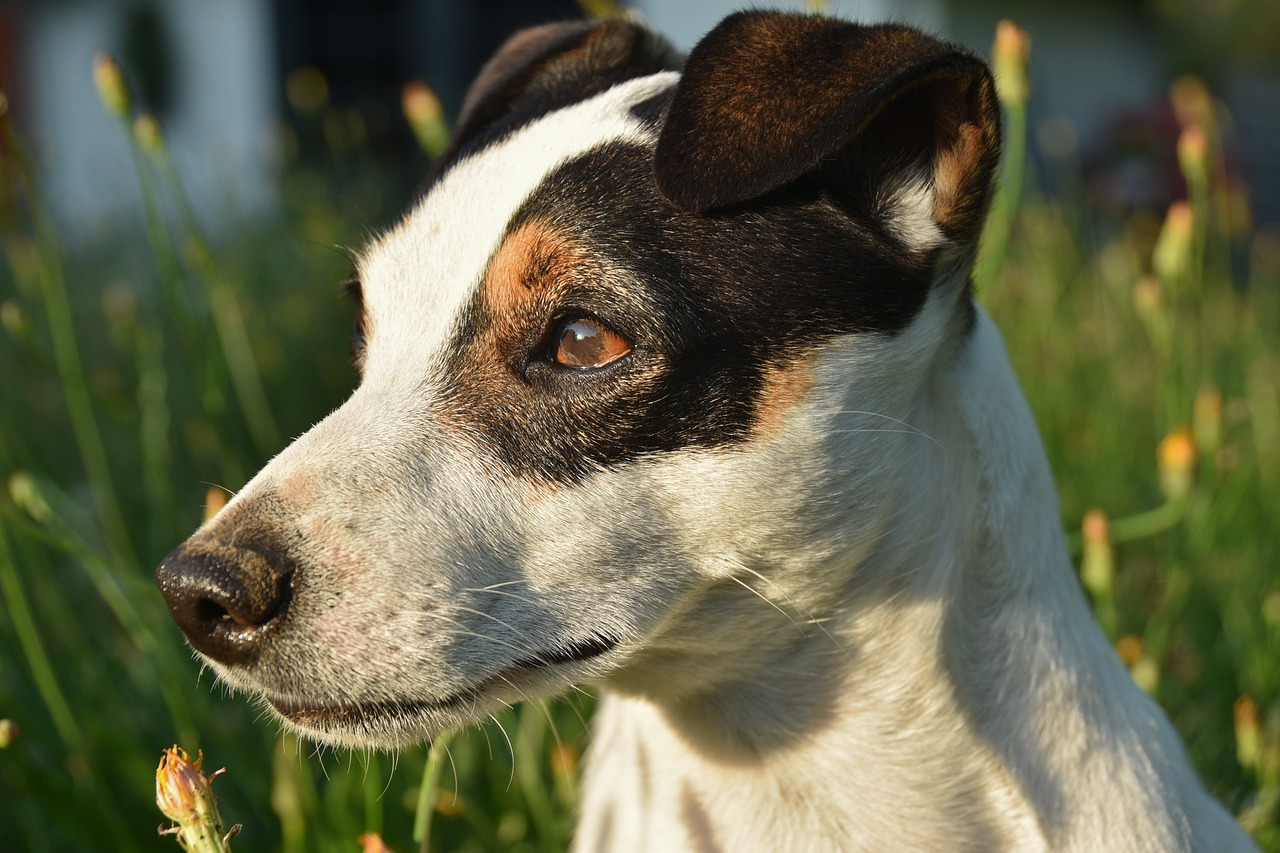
{"x": 361, "y": 714}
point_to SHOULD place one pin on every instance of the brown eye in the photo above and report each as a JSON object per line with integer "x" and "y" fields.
{"x": 587, "y": 343}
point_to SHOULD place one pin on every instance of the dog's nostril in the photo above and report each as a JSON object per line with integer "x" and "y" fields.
{"x": 225, "y": 599}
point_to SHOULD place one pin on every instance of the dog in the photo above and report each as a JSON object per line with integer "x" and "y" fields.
{"x": 672, "y": 381}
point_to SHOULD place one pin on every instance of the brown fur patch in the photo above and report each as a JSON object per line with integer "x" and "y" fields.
{"x": 785, "y": 388}
{"x": 534, "y": 262}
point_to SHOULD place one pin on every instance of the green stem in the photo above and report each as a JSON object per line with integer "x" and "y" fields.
{"x": 995, "y": 237}
{"x": 227, "y": 318}
{"x": 427, "y": 791}
{"x": 24, "y": 624}
{"x": 66, "y": 352}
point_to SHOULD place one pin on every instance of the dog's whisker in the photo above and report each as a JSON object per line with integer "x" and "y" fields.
{"x": 463, "y": 631}
{"x": 516, "y": 596}
{"x": 768, "y": 601}
{"x": 517, "y": 632}
{"x": 909, "y": 427}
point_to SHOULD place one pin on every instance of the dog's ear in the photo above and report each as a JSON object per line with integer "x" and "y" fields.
{"x": 554, "y": 65}
{"x": 892, "y": 124}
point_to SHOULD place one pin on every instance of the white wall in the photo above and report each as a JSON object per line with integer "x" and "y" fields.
{"x": 685, "y": 21}
{"x": 222, "y": 109}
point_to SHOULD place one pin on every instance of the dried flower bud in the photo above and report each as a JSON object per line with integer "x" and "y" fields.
{"x": 1097, "y": 566}
{"x": 113, "y": 90}
{"x": 185, "y": 796}
{"x": 1009, "y": 56}
{"x": 1172, "y": 256}
{"x": 1176, "y": 458}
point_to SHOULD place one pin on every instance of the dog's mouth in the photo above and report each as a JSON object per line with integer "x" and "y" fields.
{"x": 377, "y": 719}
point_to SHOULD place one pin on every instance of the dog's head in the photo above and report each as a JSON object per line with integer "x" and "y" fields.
{"x": 608, "y": 363}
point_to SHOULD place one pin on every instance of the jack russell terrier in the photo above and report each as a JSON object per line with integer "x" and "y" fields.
{"x": 672, "y": 381}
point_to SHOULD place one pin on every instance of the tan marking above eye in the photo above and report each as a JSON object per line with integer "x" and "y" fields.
{"x": 588, "y": 343}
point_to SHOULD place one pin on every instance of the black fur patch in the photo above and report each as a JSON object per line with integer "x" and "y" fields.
{"x": 712, "y": 303}
{"x": 547, "y": 68}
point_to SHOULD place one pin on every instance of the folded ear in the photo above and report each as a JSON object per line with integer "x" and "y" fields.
{"x": 894, "y": 126}
{"x": 554, "y": 65}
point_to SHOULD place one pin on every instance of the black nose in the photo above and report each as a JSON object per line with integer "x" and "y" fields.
{"x": 226, "y": 598}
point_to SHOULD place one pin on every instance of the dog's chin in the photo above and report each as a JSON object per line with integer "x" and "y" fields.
{"x": 382, "y": 723}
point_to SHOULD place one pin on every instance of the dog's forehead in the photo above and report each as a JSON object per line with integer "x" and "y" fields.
{"x": 417, "y": 278}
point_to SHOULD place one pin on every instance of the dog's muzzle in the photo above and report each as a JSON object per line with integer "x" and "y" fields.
{"x": 227, "y": 598}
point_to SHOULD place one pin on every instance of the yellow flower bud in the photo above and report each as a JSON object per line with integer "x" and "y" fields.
{"x": 1193, "y": 154}
{"x": 1176, "y": 458}
{"x": 215, "y": 498}
{"x": 147, "y": 131}
{"x": 8, "y": 733}
{"x": 1248, "y": 734}
{"x": 1172, "y": 256}
{"x": 1129, "y": 649}
{"x": 185, "y": 796}
{"x": 13, "y": 319}
{"x": 25, "y": 493}
{"x": 1009, "y": 56}
{"x": 426, "y": 117}
{"x": 1097, "y": 566}
{"x": 113, "y": 90}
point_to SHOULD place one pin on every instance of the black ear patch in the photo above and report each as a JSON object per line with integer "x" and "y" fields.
{"x": 552, "y": 66}
{"x": 768, "y": 98}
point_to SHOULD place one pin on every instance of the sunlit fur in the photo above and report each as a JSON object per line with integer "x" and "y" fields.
{"x": 859, "y": 630}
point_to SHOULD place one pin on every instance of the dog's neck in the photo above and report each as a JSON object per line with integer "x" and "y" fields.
{"x": 966, "y": 698}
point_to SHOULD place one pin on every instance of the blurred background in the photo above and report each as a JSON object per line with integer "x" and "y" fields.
{"x": 174, "y": 223}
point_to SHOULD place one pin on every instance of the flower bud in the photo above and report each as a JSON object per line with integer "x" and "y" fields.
{"x": 1191, "y": 101}
{"x": 371, "y": 842}
{"x": 1207, "y": 419}
{"x": 1176, "y": 459}
{"x": 1193, "y": 155}
{"x": 146, "y": 130}
{"x": 13, "y": 319}
{"x": 1009, "y": 56}
{"x": 185, "y": 796}
{"x": 426, "y": 117}
{"x": 1171, "y": 259}
{"x": 25, "y": 493}
{"x": 1248, "y": 733}
{"x": 8, "y": 733}
{"x": 215, "y": 498}
{"x": 1098, "y": 565}
{"x": 113, "y": 90}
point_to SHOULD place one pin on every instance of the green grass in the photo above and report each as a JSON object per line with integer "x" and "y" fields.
{"x": 138, "y": 372}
